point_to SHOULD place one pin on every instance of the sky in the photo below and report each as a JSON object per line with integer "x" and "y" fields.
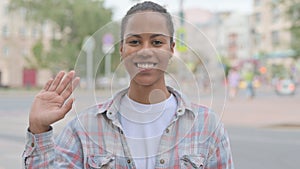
{"x": 243, "y": 6}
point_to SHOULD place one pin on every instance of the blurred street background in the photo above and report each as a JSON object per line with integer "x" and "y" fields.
{"x": 244, "y": 56}
{"x": 264, "y": 132}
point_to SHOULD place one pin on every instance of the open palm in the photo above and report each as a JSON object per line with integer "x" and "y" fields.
{"x": 52, "y": 103}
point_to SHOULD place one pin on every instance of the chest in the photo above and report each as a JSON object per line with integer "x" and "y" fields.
{"x": 111, "y": 150}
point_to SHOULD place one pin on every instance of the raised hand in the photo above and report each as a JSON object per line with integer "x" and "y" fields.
{"x": 52, "y": 103}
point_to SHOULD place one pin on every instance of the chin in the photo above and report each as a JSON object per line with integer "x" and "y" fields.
{"x": 143, "y": 82}
{"x": 146, "y": 81}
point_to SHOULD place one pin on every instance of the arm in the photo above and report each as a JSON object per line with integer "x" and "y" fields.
{"x": 42, "y": 152}
{"x": 49, "y": 105}
{"x": 220, "y": 156}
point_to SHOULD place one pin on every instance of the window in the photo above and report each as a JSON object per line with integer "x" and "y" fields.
{"x": 5, "y": 10}
{"x": 275, "y": 38}
{"x": 296, "y": 14}
{"x": 257, "y": 18}
{"x": 257, "y": 39}
{"x": 5, "y": 32}
{"x": 24, "y": 52}
{"x": 5, "y": 51}
{"x": 22, "y": 32}
{"x": 257, "y": 2}
{"x": 34, "y": 33}
{"x": 275, "y": 14}
{"x": 23, "y": 13}
{"x": 294, "y": 39}
{"x": 232, "y": 38}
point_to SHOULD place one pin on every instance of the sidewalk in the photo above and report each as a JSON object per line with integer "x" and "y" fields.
{"x": 269, "y": 111}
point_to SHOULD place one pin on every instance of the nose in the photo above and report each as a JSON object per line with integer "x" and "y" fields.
{"x": 146, "y": 49}
{"x": 145, "y": 52}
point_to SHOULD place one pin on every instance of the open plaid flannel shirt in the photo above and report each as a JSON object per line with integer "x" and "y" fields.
{"x": 195, "y": 138}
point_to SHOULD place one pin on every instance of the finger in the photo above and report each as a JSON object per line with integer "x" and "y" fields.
{"x": 66, "y": 93}
{"x": 67, "y": 107}
{"x": 48, "y": 84}
{"x": 65, "y": 82}
{"x": 57, "y": 80}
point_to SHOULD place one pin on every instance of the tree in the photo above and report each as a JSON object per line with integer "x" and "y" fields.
{"x": 74, "y": 20}
{"x": 292, "y": 11}
{"x": 37, "y": 61}
{"x": 294, "y": 14}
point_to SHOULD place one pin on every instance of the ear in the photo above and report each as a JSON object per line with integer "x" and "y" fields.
{"x": 172, "y": 46}
{"x": 121, "y": 49}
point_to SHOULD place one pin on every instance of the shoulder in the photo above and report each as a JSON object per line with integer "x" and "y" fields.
{"x": 202, "y": 111}
{"x": 206, "y": 118}
{"x": 90, "y": 116}
{"x": 94, "y": 110}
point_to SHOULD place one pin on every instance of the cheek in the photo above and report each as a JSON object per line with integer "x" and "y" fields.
{"x": 129, "y": 66}
{"x": 163, "y": 59}
{"x": 127, "y": 50}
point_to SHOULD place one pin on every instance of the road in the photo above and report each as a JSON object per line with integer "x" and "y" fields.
{"x": 264, "y": 132}
{"x": 264, "y": 148}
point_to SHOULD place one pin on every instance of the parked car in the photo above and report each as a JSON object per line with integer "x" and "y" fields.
{"x": 285, "y": 87}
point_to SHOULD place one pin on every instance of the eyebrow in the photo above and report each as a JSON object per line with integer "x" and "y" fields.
{"x": 139, "y": 36}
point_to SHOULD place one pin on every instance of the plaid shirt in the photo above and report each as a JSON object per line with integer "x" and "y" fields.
{"x": 195, "y": 138}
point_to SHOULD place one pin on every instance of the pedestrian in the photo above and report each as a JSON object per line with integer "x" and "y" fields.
{"x": 233, "y": 82}
{"x": 148, "y": 125}
{"x": 248, "y": 76}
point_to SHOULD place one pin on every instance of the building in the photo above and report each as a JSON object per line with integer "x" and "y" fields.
{"x": 271, "y": 29}
{"x": 235, "y": 38}
{"x": 226, "y": 34}
{"x": 202, "y": 33}
{"x": 17, "y": 37}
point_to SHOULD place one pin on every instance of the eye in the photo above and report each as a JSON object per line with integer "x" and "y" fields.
{"x": 157, "y": 43}
{"x": 134, "y": 42}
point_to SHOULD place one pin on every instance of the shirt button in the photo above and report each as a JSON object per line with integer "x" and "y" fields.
{"x": 32, "y": 144}
{"x": 128, "y": 161}
{"x": 162, "y": 161}
{"x": 167, "y": 130}
{"x": 180, "y": 110}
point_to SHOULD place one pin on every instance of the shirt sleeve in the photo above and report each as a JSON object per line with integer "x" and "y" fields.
{"x": 220, "y": 156}
{"x": 42, "y": 152}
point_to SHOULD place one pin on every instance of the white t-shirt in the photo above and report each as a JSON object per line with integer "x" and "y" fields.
{"x": 143, "y": 125}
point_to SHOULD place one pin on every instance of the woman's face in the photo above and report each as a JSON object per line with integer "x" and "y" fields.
{"x": 146, "y": 48}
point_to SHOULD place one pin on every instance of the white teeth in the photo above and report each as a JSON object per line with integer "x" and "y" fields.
{"x": 145, "y": 65}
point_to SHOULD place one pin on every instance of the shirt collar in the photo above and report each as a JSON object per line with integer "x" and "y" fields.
{"x": 111, "y": 107}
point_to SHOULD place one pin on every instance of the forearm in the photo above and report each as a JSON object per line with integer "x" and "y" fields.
{"x": 221, "y": 155}
{"x": 42, "y": 152}
{"x": 39, "y": 150}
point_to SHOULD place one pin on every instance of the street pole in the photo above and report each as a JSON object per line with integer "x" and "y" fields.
{"x": 89, "y": 72}
{"x": 181, "y": 14}
{"x": 108, "y": 49}
{"x": 89, "y": 46}
{"x": 108, "y": 64}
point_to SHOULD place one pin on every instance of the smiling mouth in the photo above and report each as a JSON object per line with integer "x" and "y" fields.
{"x": 145, "y": 65}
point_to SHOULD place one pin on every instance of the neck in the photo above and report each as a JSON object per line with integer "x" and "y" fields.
{"x": 148, "y": 94}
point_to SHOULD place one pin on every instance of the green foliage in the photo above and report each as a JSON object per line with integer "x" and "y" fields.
{"x": 226, "y": 64}
{"x": 279, "y": 71}
{"x": 74, "y": 19}
{"x": 293, "y": 15}
{"x": 38, "y": 60}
